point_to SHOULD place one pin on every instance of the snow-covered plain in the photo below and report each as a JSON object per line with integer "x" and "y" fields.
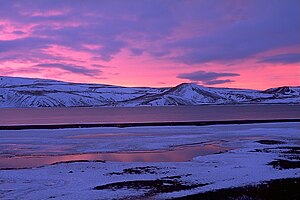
{"x": 246, "y": 163}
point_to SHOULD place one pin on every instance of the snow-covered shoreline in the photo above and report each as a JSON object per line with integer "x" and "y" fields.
{"x": 258, "y": 146}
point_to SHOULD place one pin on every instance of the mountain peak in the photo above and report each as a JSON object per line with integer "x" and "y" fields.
{"x": 188, "y": 84}
{"x": 284, "y": 90}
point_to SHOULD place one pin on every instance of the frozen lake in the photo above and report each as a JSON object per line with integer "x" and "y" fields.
{"x": 191, "y": 157}
{"x": 33, "y": 148}
{"x": 15, "y": 116}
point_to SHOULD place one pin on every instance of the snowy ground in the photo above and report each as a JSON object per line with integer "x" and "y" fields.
{"x": 260, "y": 152}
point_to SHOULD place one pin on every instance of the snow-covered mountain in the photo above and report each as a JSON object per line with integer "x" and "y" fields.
{"x": 28, "y": 92}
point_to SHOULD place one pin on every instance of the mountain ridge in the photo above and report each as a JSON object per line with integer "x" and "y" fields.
{"x": 31, "y": 92}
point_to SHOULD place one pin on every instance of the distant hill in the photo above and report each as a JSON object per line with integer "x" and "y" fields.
{"x": 29, "y": 92}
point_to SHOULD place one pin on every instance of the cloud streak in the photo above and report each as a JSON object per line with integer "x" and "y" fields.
{"x": 71, "y": 68}
{"x": 290, "y": 58}
{"x": 207, "y": 78}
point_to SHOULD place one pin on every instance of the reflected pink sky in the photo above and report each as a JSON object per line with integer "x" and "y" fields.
{"x": 178, "y": 154}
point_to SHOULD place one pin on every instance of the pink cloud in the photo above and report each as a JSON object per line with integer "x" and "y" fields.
{"x": 48, "y": 13}
{"x": 11, "y": 30}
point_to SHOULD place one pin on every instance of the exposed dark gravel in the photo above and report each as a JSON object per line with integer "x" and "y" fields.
{"x": 285, "y": 164}
{"x": 281, "y": 189}
{"x": 152, "y": 187}
{"x": 137, "y": 170}
{"x": 270, "y": 142}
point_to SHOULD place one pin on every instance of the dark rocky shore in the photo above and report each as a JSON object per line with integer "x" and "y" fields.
{"x": 281, "y": 189}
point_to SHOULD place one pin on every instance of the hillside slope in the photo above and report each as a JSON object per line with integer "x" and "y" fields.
{"x": 28, "y": 92}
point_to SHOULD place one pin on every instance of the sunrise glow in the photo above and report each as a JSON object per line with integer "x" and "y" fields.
{"x": 239, "y": 44}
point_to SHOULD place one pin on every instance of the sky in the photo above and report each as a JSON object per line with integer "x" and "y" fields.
{"x": 159, "y": 43}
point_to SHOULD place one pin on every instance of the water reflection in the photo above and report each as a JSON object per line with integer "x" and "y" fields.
{"x": 178, "y": 154}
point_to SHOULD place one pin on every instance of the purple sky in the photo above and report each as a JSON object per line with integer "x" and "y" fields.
{"x": 230, "y": 43}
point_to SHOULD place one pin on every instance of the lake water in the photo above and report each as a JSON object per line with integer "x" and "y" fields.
{"x": 17, "y": 116}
